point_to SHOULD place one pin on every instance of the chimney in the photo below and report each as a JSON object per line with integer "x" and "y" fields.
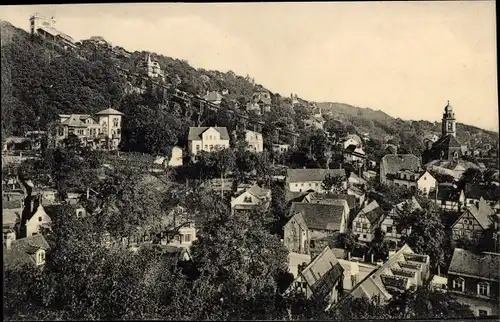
{"x": 8, "y": 242}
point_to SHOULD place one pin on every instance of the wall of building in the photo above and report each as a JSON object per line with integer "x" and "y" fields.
{"x": 364, "y": 234}
{"x": 467, "y": 225}
{"x": 299, "y": 244}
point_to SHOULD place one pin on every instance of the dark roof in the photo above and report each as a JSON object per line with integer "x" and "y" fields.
{"x": 317, "y": 197}
{"x": 76, "y": 120}
{"x": 291, "y": 196}
{"x": 448, "y": 141}
{"x": 319, "y": 216}
{"x": 482, "y": 213}
{"x": 372, "y": 211}
{"x": 393, "y": 163}
{"x": 259, "y": 192}
{"x": 478, "y": 265}
{"x": 447, "y": 192}
{"x": 476, "y": 191}
{"x": 302, "y": 175}
{"x": 22, "y": 249}
{"x": 196, "y": 132}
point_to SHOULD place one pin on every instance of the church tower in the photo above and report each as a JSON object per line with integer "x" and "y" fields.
{"x": 448, "y": 122}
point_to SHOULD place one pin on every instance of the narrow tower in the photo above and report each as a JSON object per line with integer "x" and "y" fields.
{"x": 448, "y": 121}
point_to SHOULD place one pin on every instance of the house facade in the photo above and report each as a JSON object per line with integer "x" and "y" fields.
{"x": 447, "y": 197}
{"x": 302, "y": 180}
{"x": 415, "y": 180}
{"x": 255, "y": 141}
{"x": 280, "y": 148}
{"x": 389, "y": 224}
{"x": 311, "y": 221}
{"x": 252, "y": 198}
{"x": 207, "y": 139}
{"x": 34, "y": 218}
{"x": 473, "y": 221}
{"x": 473, "y": 280}
{"x": 367, "y": 221}
{"x": 103, "y": 132}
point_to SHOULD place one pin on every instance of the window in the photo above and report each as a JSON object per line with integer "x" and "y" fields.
{"x": 206, "y": 147}
{"x": 365, "y": 226}
{"x": 310, "y": 184}
{"x": 466, "y": 221}
{"x": 481, "y": 312}
{"x": 40, "y": 218}
{"x": 459, "y": 284}
{"x": 301, "y": 184}
{"x": 187, "y": 238}
{"x": 115, "y": 122}
{"x": 358, "y": 225}
{"x": 312, "y": 244}
{"x": 247, "y": 199}
{"x": 389, "y": 229}
{"x": 211, "y": 147}
{"x": 197, "y": 147}
{"x": 364, "y": 236}
{"x": 483, "y": 288}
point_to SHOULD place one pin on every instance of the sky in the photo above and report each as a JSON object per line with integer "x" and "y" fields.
{"x": 404, "y": 58}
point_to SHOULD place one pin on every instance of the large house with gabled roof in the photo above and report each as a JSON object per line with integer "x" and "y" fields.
{"x": 302, "y": 180}
{"x": 474, "y": 279}
{"x": 473, "y": 221}
{"x": 367, "y": 221}
{"x": 311, "y": 221}
{"x": 102, "y": 131}
{"x": 252, "y": 198}
{"x": 207, "y": 139}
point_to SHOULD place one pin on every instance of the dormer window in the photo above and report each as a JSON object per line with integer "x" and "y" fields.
{"x": 483, "y": 288}
{"x": 459, "y": 284}
{"x": 40, "y": 257}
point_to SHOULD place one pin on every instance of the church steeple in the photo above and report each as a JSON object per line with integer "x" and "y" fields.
{"x": 448, "y": 121}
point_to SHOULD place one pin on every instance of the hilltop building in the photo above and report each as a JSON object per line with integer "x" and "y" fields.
{"x": 44, "y": 27}
{"x": 447, "y": 147}
{"x": 103, "y": 133}
{"x": 150, "y": 68}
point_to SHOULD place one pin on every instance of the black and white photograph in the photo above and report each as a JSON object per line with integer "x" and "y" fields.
{"x": 288, "y": 161}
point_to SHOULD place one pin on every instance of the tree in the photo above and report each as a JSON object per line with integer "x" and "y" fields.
{"x": 151, "y": 131}
{"x": 237, "y": 271}
{"x": 472, "y": 175}
{"x": 334, "y": 184}
{"x": 427, "y": 235}
{"x": 348, "y": 240}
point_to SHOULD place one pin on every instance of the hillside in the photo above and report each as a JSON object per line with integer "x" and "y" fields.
{"x": 40, "y": 80}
